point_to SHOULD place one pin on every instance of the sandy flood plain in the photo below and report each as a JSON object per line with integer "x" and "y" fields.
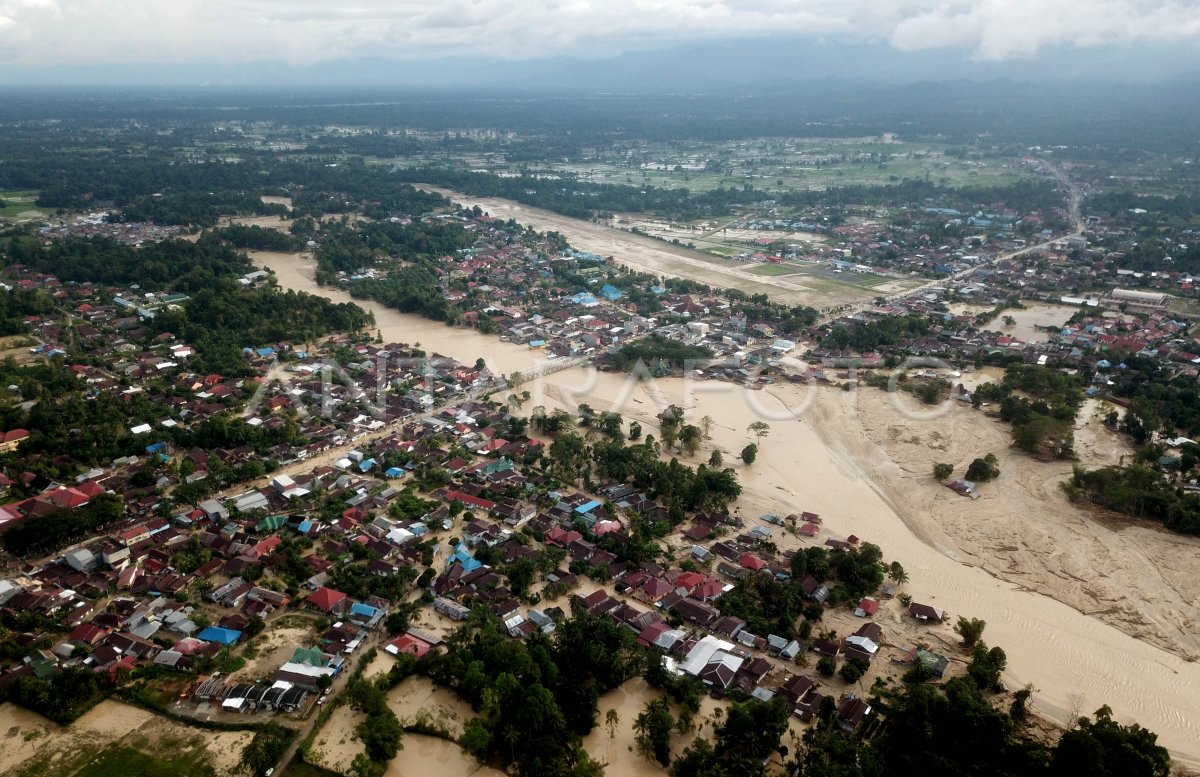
{"x": 1089, "y": 613}
{"x": 1083, "y": 611}
{"x": 32, "y": 745}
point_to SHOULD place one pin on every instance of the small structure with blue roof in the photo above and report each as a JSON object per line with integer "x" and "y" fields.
{"x": 611, "y": 293}
{"x": 220, "y": 635}
{"x": 463, "y": 556}
{"x": 365, "y": 614}
{"x": 587, "y": 507}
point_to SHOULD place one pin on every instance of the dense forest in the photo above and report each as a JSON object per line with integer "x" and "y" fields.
{"x": 536, "y": 699}
{"x": 225, "y": 318}
{"x": 220, "y": 317}
{"x": 866, "y": 336}
{"x": 1138, "y": 491}
{"x": 1097, "y": 120}
{"x": 1165, "y": 403}
{"x": 16, "y": 304}
{"x": 174, "y": 265}
{"x": 412, "y": 283}
{"x": 258, "y": 238}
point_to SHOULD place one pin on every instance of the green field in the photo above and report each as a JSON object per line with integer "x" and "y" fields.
{"x": 17, "y": 202}
{"x": 121, "y": 761}
{"x": 775, "y": 269}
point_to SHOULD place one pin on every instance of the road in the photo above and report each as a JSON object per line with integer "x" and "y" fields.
{"x": 339, "y": 684}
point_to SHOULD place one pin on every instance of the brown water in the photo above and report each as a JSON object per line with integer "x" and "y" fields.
{"x": 297, "y": 271}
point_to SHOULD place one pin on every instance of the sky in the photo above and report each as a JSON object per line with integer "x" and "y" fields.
{"x": 148, "y": 41}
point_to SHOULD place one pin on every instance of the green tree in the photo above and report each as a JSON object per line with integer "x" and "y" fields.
{"x": 653, "y": 727}
{"x": 1105, "y": 747}
{"x": 851, "y": 671}
{"x": 759, "y": 429}
{"x": 611, "y": 720}
{"x": 265, "y": 749}
{"x": 749, "y": 453}
{"x": 986, "y": 667}
{"x": 381, "y": 735}
{"x": 970, "y": 629}
{"x": 689, "y": 438}
{"x": 983, "y": 469}
{"x": 942, "y": 471}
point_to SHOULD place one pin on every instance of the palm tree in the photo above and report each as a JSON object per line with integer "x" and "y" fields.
{"x": 611, "y": 721}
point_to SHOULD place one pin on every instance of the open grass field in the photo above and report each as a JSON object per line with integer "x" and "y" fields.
{"x": 122, "y": 761}
{"x": 774, "y": 269}
{"x": 19, "y": 204}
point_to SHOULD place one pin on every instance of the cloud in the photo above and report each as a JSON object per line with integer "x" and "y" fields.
{"x": 45, "y": 33}
{"x": 1007, "y": 29}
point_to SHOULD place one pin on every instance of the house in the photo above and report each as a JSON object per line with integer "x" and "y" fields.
{"x": 720, "y": 669}
{"x": 219, "y": 635}
{"x": 327, "y": 600}
{"x": 11, "y": 440}
{"x": 927, "y": 613}
{"x": 934, "y": 664}
{"x": 409, "y": 644}
{"x": 696, "y": 612}
{"x": 852, "y": 712}
{"x": 825, "y": 647}
{"x": 214, "y": 510}
{"x": 451, "y": 608}
{"x": 866, "y": 607}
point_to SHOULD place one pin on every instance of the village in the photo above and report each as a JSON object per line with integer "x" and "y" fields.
{"x": 385, "y": 494}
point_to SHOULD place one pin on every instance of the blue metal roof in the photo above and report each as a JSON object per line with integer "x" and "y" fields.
{"x": 358, "y": 608}
{"x": 587, "y": 508}
{"x": 221, "y": 635}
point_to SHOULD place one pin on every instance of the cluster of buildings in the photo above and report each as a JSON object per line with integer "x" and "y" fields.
{"x": 97, "y": 224}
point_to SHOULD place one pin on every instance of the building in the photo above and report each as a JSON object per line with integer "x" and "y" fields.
{"x": 1140, "y": 299}
{"x": 11, "y": 440}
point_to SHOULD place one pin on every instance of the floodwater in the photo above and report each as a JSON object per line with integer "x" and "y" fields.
{"x": 818, "y": 457}
{"x": 297, "y": 271}
{"x": 1026, "y": 319}
{"x": 426, "y": 756}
